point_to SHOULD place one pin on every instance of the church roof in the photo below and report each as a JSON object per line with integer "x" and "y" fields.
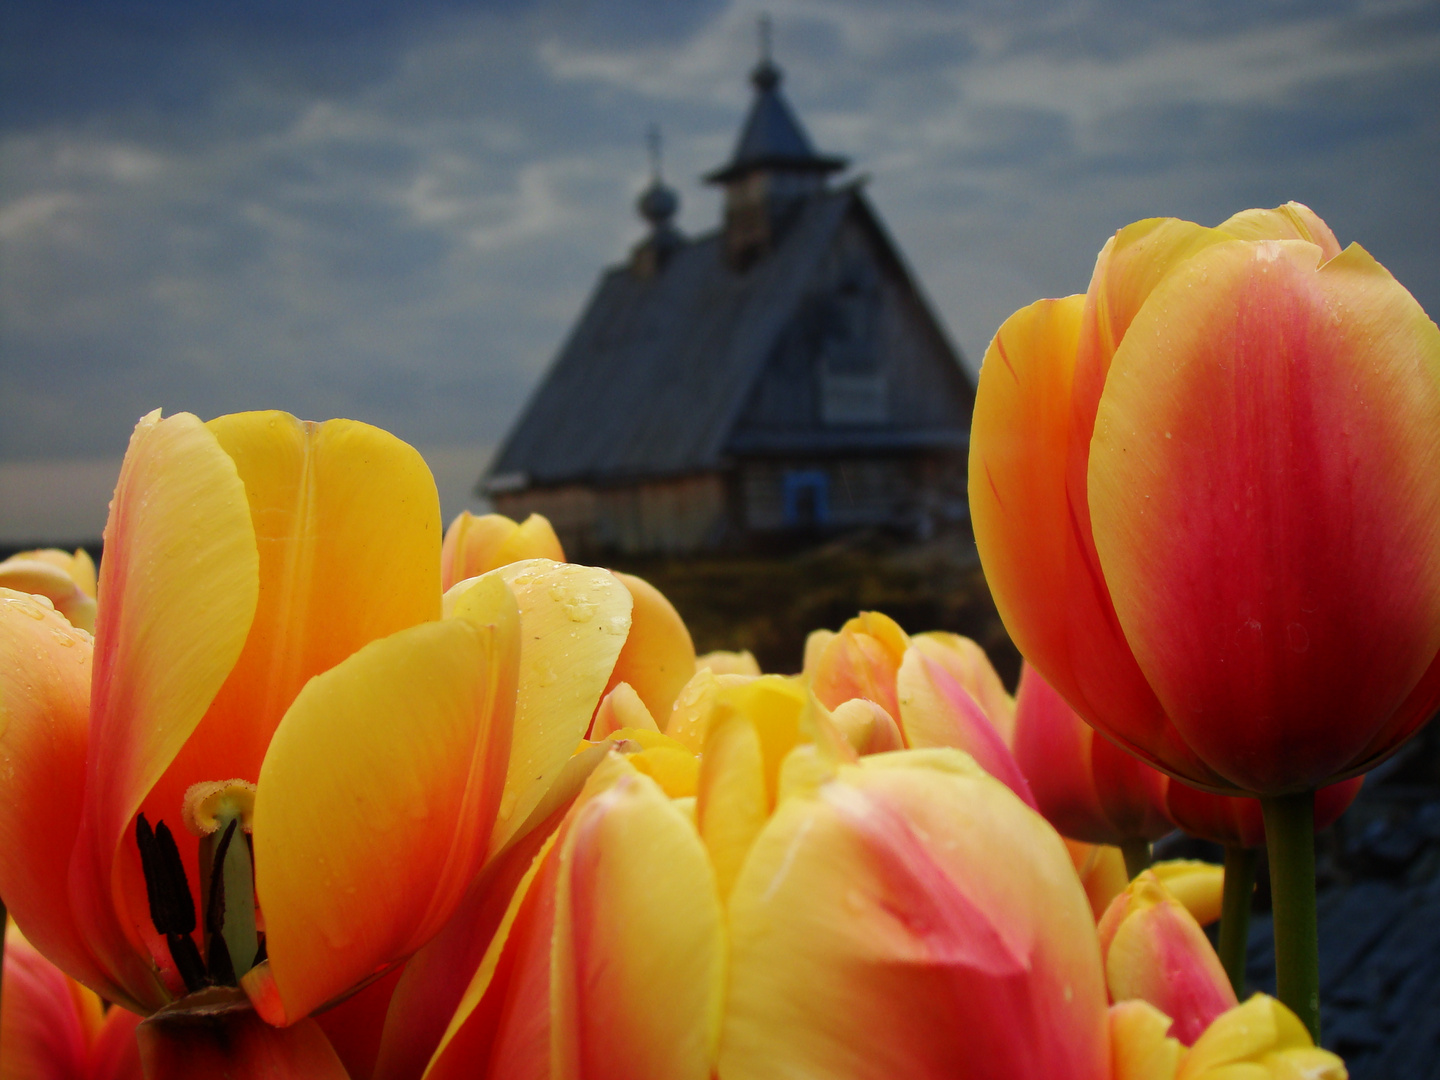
{"x": 653, "y": 377}
{"x": 772, "y": 136}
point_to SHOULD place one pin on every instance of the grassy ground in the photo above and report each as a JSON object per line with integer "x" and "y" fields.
{"x": 768, "y": 604}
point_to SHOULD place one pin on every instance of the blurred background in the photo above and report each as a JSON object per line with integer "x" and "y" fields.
{"x": 395, "y": 211}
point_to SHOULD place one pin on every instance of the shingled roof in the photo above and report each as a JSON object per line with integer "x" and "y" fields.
{"x": 653, "y": 377}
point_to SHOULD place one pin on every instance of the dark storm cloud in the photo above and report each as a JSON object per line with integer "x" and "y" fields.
{"x": 394, "y": 211}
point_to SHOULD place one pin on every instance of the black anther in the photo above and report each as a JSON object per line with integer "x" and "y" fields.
{"x": 172, "y": 909}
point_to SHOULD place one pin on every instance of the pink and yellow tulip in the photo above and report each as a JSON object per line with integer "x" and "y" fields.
{"x": 1154, "y": 949}
{"x": 1206, "y": 496}
{"x": 938, "y": 689}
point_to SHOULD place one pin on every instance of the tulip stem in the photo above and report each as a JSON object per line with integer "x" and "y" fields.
{"x": 1290, "y": 836}
{"x": 1136, "y": 853}
{"x": 1235, "y": 913}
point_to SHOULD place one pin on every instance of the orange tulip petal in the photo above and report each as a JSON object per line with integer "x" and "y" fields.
{"x": 1284, "y": 616}
{"x": 476, "y": 545}
{"x": 44, "y": 720}
{"x": 236, "y": 1044}
{"x": 911, "y": 918}
{"x": 1142, "y": 1048}
{"x": 573, "y": 624}
{"x": 1293, "y": 221}
{"x": 1053, "y": 746}
{"x": 1026, "y": 526}
{"x": 637, "y": 966}
{"x": 501, "y": 1027}
{"x": 856, "y": 665}
{"x": 356, "y": 1025}
{"x": 42, "y": 576}
{"x": 177, "y": 594}
{"x": 971, "y": 668}
{"x": 732, "y": 804}
{"x": 936, "y": 710}
{"x": 658, "y": 658}
{"x": 375, "y": 803}
{"x": 867, "y": 727}
{"x": 722, "y": 662}
{"x": 621, "y": 708}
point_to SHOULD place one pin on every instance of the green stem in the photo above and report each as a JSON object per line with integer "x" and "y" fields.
{"x": 1235, "y": 913}
{"x": 1290, "y": 836}
{"x": 1137, "y": 856}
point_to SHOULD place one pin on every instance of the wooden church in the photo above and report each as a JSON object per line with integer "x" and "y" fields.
{"x": 779, "y": 375}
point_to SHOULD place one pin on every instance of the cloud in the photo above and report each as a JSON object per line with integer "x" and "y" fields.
{"x": 395, "y": 212}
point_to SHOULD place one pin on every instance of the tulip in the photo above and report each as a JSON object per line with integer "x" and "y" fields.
{"x": 1153, "y": 949}
{"x": 67, "y": 581}
{"x": 1207, "y": 499}
{"x": 1087, "y": 787}
{"x": 476, "y": 545}
{"x": 53, "y": 1028}
{"x": 938, "y": 689}
{"x": 271, "y": 608}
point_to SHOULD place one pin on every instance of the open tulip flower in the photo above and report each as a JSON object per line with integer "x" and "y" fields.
{"x": 52, "y": 1028}
{"x": 1206, "y": 496}
{"x": 282, "y": 768}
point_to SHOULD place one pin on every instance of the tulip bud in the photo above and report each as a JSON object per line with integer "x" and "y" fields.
{"x": 1154, "y": 950}
{"x": 475, "y": 545}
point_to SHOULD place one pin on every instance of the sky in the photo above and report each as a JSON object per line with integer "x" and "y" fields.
{"x": 394, "y": 211}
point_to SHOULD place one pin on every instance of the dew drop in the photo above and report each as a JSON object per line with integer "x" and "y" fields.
{"x": 580, "y": 610}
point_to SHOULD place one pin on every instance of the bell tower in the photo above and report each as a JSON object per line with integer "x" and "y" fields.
{"x": 773, "y": 168}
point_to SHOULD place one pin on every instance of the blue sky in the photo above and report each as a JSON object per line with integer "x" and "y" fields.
{"x": 393, "y": 211}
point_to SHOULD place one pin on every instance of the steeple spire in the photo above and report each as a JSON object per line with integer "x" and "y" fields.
{"x": 773, "y": 170}
{"x": 657, "y": 204}
{"x": 772, "y": 137}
